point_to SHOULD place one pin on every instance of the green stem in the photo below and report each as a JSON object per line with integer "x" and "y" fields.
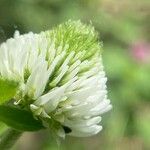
{"x": 9, "y": 138}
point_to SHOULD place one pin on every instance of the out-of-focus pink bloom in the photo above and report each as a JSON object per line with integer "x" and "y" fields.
{"x": 141, "y": 52}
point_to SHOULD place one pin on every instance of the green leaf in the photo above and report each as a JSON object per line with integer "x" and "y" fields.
{"x": 19, "y": 119}
{"x": 3, "y": 127}
{"x": 8, "y": 90}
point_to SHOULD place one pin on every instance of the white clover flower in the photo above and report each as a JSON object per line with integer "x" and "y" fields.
{"x": 60, "y": 75}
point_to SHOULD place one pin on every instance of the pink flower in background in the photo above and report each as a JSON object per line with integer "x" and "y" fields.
{"x": 141, "y": 52}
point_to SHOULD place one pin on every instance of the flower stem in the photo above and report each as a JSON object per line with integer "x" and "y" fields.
{"x": 9, "y": 138}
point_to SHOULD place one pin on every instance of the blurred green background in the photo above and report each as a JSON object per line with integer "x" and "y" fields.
{"x": 124, "y": 27}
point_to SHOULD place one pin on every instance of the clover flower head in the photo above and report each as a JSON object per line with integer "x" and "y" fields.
{"x": 60, "y": 76}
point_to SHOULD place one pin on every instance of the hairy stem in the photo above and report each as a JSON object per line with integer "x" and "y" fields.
{"x": 9, "y": 138}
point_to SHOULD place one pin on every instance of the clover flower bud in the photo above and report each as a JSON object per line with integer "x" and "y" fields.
{"x": 60, "y": 75}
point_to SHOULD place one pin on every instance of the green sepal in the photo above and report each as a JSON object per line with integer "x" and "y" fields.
{"x": 8, "y": 90}
{"x": 19, "y": 119}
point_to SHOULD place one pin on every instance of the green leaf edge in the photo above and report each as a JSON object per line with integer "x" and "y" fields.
{"x": 8, "y": 90}
{"x": 19, "y": 119}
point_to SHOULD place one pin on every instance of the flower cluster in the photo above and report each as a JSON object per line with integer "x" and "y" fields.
{"x": 60, "y": 75}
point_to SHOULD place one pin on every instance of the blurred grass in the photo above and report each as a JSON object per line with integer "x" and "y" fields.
{"x": 124, "y": 28}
